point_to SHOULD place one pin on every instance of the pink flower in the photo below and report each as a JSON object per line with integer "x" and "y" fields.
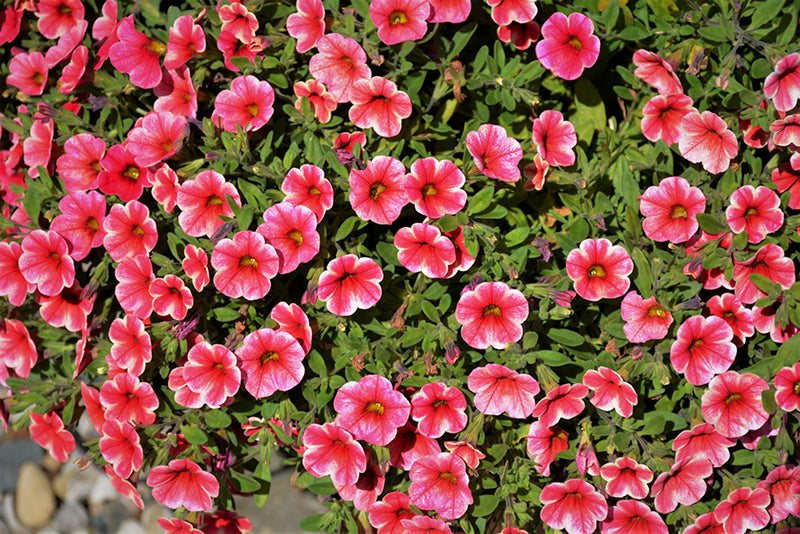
{"x": 36, "y": 149}
{"x": 733, "y": 312}
{"x": 378, "y": 192}
{"x": 409, "y": 445}
{"x": 292, "y": 231}
{"x": 422, "y": 524}
{"x": 521, "y": 35}
{"x": 544, "y": 443}
{"x": 307, "y": 25}
{"x": 491, "y": 315}
{"x": 171, "y": 297}
{"x": 49, "y": 432}
{"x": 702, "y": 441}
{"x": 495, "y": 154}
{"x": 703, "y": 349}
{"x": 663, "y": 115}
{"x": 439, "y": 408}
{"x": 683, "y": 484}
{"x": 183, "y": 483}
{"x": 657, "y": 72}
{"x": 126, "y": 399}
{"x": 454, "y": 11}
{"x": 137, "y": 54}
{"x": 705, "y": 524}
{"x": 786, "y": 132}
{"x": 644, "y": 319}
{"x": 499, "y": 389}
{"x": 271, "y": 361}
{"x": 331, "y": 450}
{"x": 202, "y": 201}
{"x": 120, "y": 174}
{"x": 66, "y": 309}
{"x": 195, "y": 265}
{"x": 364, "y": 493}
{"x": 399, "y": 20}
{"x": 745, "y": 509}
{"x": 782, "y": 484}
{"x": 248, "y": 103}
{"x": 633, "y": 516}
{"x": 322, "y": 102}
{"x": 177, "y": 526}
{"x": 212, "y": 372}
{"x": 706, "y": 139}
{"x": 783, "y": 85}
{"x": 787, "y": 388}
{"x": 626, "y": 478}
{"x": 732, "y": 403}
{"x": 121, "y": 448}
{"x": 599, "y": 269}
{"x": 17, "y": 350}
{"x": 28, "y": 73}
{"x": 466, "y": 451}
{"x": 563, "y": 402}
{"x": 671, "y": 210}
{"x": 308, "y": 187}
{"x": 422, "y": 248}
{"x": 371, "y": 409}
{"x": 105, "y": 24}
{"x": 292, "y": 320}
{"x": 350, "y": 283}
{"x": 45, "y": 262}
{"x": 756, "y": 211}
{"x": 338, "y": 64}
{"x": 135, "y": 275}
{"x": 131, "y": 348}
{"x": 239, "y": 21}
{"x": 244, "y": 265}
{"x": 575, "y": 506}
{"x": 435, "y": 187}
{"x": 158, "y": 137}
{"x": 568, "y": 46}
{"x": 768, "y": 261}
{"x": 440, "y": 483}
{"x": 176, "y": 93}
{"x": 386, "y": 515}
{"x": 377, "y": 103}
{"x": 81, "y": 222}
{"x": 554, "y": 138}
{"x": 186, "y": 38}
{"x": 79, "y": 166}
{"x": 505, "y": 12}
{"x": 129, "y": 230}
{"x": 56, "y": 17}
{"x": 609, "y": 391}
{"x": 13, "y": 284}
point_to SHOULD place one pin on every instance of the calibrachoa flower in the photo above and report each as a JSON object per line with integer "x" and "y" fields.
{"x": 768, "y": 261}
{"x": 186, "y": 38}
{"x": 378, "y": 192}
{"x": 120, "y": 174}
{"x": 158, "y": 137}
{"x": 626, "y": 478}
{"x": 454, "y": 11}
{"x": 195, "y": 265}
{"x": 662, "y": 116}
{"x": 322, "y": 102}
{"x": 703, "y": 441}
{"x": 434, "y": 187}
{"x": 244, "y": 265}
{"x": 307, "y": 25}
{"x": 171, "y": 297}
{"x": 783, "y": 85}
{"x": 371, "y": 410}
{"x": 120, "y": 447}
{"x": 137, "y": 54}
{"x": 782, "y": 485}
{"x": 683, "y": 484}
{"x": 521, "y": 35}
{"x": 248, "y": 103}
{"x": 491, "y": 315}
{"x": 81, "y": 222}
{"x": 126, "y": 399}
{"x": 705, "y": 524}
{"x": 505, "y": 12}
{"x": 544, "y": 443}
{"x": 644, "y": 319}
{"x": 658, "y": 72}
{"x": 568, "y": 46}
{"x": 495, "y": 154}
{"x": 203, "y": 200}
{"x": 133, "y": 290}
{"x": 633, "y": 516}
{"x": 422, "y": 524}
{"x": 440, "y": 483}
{"x": 744, "y": 509}
{"x": 409, "y": 445}
{"x": 28, "y": 72}
{"x": 79, "y": 166}
{"x": 176, "y": 93}
{"x": 66, "y": 309}
{"x": 308, "y": 187}
{"x": 671, "y": 209}
{"x": 17, "y": 350}
{"x": 292, "y": 319}
{"x": 49, "y": 432}
{"x": 787, "y": 388}
{"x": 575, "y": 506}
{"x": 466, "y": 451}
{"x": 177, "y": 526}
{"x": 212, "y": 372}
{"x": 499, "y": 389}
{"x": 399, "y": 20}
{"x": 45, "y": 261}
{"x": 439, "y": 408}
{"x": 338, "y": 64}
{"x": 366, "y": 489}
{"x": 733, "y": 405}
{"x": 609, "y": 391}
{"x": 36, "y": 148}
{"x": 599, "y": 269}
{"x": 703, "y": 349}
{"x": 422, "y": 248}
{"x": 756, "y": 211}
{"x": 183, "y": 483}
{"x": 131, "y": 348}
{"x": 292, "y": 231}
{"x": 377, "y": 104}
{"x": 271, "y": 361}
{"x": 13, "y": 284}
{"x": 350, "y": 283}
{"x": 555, "y": 138}
{"x": 56, "y": 17}
{"x": 706, "y": 139}
{"x": 331, "y": 450}
{"x": 732, "y": 311}
{"x": 130, "y": 231}
{"x": 786, "y": 132}
{"x": 386, "y": 515}
{"x": 563, "y": 402}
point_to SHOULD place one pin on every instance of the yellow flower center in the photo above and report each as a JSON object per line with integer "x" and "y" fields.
{"x": 596, "y": 271}
{"x": 374, "y": 407}
{"x": 428, "y": 190}
{"x": 138, "y": 230}
{"x": 750, "y": 211}
{"x": 397, "y": 17}
{"x": 92, "y": 223}
{"x": 296, "y": 236}
{"x": 656, "y": 311}
{"x": 269, "y": 356}
{"x": 131, "y": 172}
{"x": 248, "y": 261}
{"x": 732, "y": 397}
{"x": 375, "y": 191}
{"x": 492, "y": 309}
{"x": 575, "y": 43}
{"x": 214, "y": 201}
{"x": 448, "y": 477}
{"x": 157, "y": 47}
{"x": 253, "y": 110}
{"x": 678, "y": 212}
{"x": 439, "y": 402}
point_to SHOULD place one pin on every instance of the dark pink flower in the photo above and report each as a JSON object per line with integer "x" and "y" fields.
{"x": 563, "y": 402}
{"x": 439, "y": 408}
{"x": 73, "y": 73}
{"x": 663, "y": 115}
{"x": 183, "y": 483}
{"x": 212, "y": 372}
{"x": 307, "y": 25}
{"x": 126, "y": 399}
{"x": 321, "y": 101}
{"x": 787, "y": 178}
{"x": 505, "y": 12}
{"x": 120, "y": 174}
{"x": 120, "y": 447}
{"x": 66, "y": 309}
{"x": 135, "y": 275}
{"x": 454, "y": 11}
{"x": 491, "y": 315}
{"x": 609, "y": 391}
{"x": 568, "y": 46}
{"x": 378, "y": 193}
{"x": 768, "y": 261}
{"x": 137, "y": 54}
{"x": 399, "y": 20}
{"x": 245, "y": 265}
{"x": 702, "y": 441}
{"x": 28, "y": 72}
{"x": 783, "y": 484}
{"x": 165, "y": 187}
{"x": 308, "y": 187}
{"x": 292, "y": 231}
{"x": 521, "y": 35}
{"x": 49, "y": 432}
{"x": 331, "y": 450}
{"x": 555, "y": 138}
{"x": 177, "y": 526}
{"x": 171, "y": 297}
{"x": 745, "y": 509}
{"x": 703, "y": 349}
{"x": 17, "y": 350}
{"x": 386, "y": 515}
{"x": 706, "y": 139}
{"x": 203, "y": 200}
{"x": 13, "y": 284}
{"x": 195, "y": 265}
{"x": 105, "y": 24}
{"x": 787, "y": 388}
{"x": 176, "y": 93}
{"x": 435, "y": 187}
{"x": 350, "y": 283}
{"x": 495, "y": 154}
{"x": 544, "y": 443}
{"x": 129, "y": 230}
{"x": 733, "y": 405}
{"x": 56, "y": 17}
{"x": 628, "y": 517}
{"x": 186, "y": 38}
{"x": 270, "y": 361}
{"x": 671, "y": 209}
{"x": 626, "y": 478}
{"x": 783, "y": 85}
{"x": 644, "y": 319}
{"x": 657, "y": 72}
{"x": 364, "y": 493}
{"x": 499, "y": 389}
{"x": 81, "y": 222}
{"x": 377, "y": 103}
{"x": 733, "y": 312}
{"x": 409, "y": 445}
{"x": 248, "y": 103}
{"x": 292, "y": 320}
{"x": 756, "y": 211}
{"x": 338, "y": 64}
{"x": 371, "y": 410}
{"x": 422, "y": 248}
{"x": 575, "y": 506}
{"x": 79, "y": 166}
{"x": 422, "y": 524}
{"x": 683, "y": 484}
{"x": 158, "y": 137}
{"x": 440, "y": 483}
{"x": 599, "y": 269}
{"x": 45, "y": 261}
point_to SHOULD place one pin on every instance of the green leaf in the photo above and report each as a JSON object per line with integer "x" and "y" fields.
{"x": 460, "y": 40}
{"x": 710, "y": 224}
{"x": 485, "y": 505}
{"x": 765, "y": 284}
{"x": 761, "y": 68}
{"x": 244, "y": 483}
{"x": 765, "y": 12}
{"x": 313, "y": 523}
{"x": 225, "y": 314}
{"x": 346, "y": 227}
{"x": 194, "y": 435}
{"x": 644, "y": 273}
{"x": 714, "y": 33}
{"x": 565, "y": 337}
{"x": 590, "y": 112}
{"x": 517, "y": 236}
{"x": 552, "y": 358}
{"x": 633, "y": 33}
{"x": 480, "y": 201}
{"x": 218, "y": 419}
{"x": 317, "y": 364}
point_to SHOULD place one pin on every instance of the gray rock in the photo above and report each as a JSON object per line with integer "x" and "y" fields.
{"x": 4, "y": 528}
{"x": 10, "y": 516}
{"x": 70, "y": 517}
{"x": 106, "y": 518}
{"x": 102, "y": 491}
{"x": 47, "y": 530}
{"x": 129, "y": 526}
{"x": 35, "y": 502}
{"x": 12, "y": 455}
{"x": 150, "y": 516}
{"x": 86, "y": 429}
{"x": 72, "y": 484}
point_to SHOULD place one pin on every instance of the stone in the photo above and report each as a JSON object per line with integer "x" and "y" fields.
{"x": 150, "y": 516}
{"x": 103, "y": 490}
{"x": 86, "y": 429}
{"x": 129, "y": 526}
{"x": 80, "y": 484}
{"x": 12, "y": 455}
{"x": 71, "y": 517}
{"x": 4, "y": 528}
{"x": 10, "y": 516}
{"x": 106, "y": 518}
{"x": 35, "y": 502}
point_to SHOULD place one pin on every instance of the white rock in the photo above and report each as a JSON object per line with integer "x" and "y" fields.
{"x": 35, "y": 502}
{"x": 129, "y": 526}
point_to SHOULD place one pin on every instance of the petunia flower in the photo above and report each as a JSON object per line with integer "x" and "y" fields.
{"x": 745, "y": 509}
{"x": 106, "y": 23}
{"x": 378, "y": 192}
{"x": 440, "y": 483}
{"x": 703, "y": 441}
{"x": 321, "y": 101}
{"x": 292, "y": 320}
{"x": 37, "y": 148}
{"x": 79, "y": 166}
{"x": 202, "y": 201}
{"x": 562, "y": 402}
{"x": 422, "y": 248}
{"x": 232, "y": 46}
{"x": 491, "y": 315}
{"x": 248, "y": 103}
{"x": 733, "y": 405}
{"x": 453, "y": 11}
{"x": 371, "y": 409}
{"x": 705, "y": 524}
{"x": 703, "y": 349}
{"x": 378, "y": 104}
{"x": 17, "y": 350}
{"x": 544, "y": 443}
{"x": 399, "y": 20}
{"x": 130, "y": 231}
{"x": 569, "y": 45}
{"x": 756, "y": 211}
{"x": 307, "y": 25}
{"x": 706, "y": 139}
{"x": 645, "y": 319}
{"x": 662, "y": 116}
{"x": 422, "y": 524}
{"x": 575, "y": 506}
{"x": 387, "y": 514}
{"x": 683, "y": 484}
{"x": 137, "y": 55}
{"x": 627, "y": 515}
{"x": 186, "y": 38}
{"x": 787, "y": 388}
{"x": 466, "y": 451}
{"x": 768, "y": 261}
{"x": 609, "y": 391}
{"x": 783, "y": 85}
{"x": 340, "y": 61}
{"x": 45, "y": 262}
{"x": 245, "y": 265}
{"x": 658, "y": 72}
{"x": 195, "y": 265}
{"x": 409, "y": 445}
{"x": 786, "y": 132}
{"x": 131, "y": 347}
{"x": 499, "y": 389}
{"x": 135, "y": 274}
{"x": 81, "y": 222}
{"x": 28, "y": 73}
{"x": 125, "y": 398}
{"x": 56, "y": 17}
{"x": 292, "y": 231}
{"x": 183, "y": 483}
{"x": 66, "y": 309}
{"x": 120, "y": 174}
{"x": 495, "y": 154}
{"x": 521, "y": 35}
{"x": 554, "y": 138}
{"x": 350, "y": 283}
{"x": 121, "y": 448}
{"x": 13, "y": 284}
{"x": 626, "y": 478}
{"x": 364, "y": 493}
{"x": 787, "y": 178}
{"x": 49, "y": 432}
{"x": 439, "y": 408}
{"x": 599, "y": 269}
{"x": 177, "y": 526}
{"x": 307, "y": 186}
{"x": 176, "y": 93}
{"x": 270, "y": 361}
{"x": 505, "y": 12}
{"x": 435, "y": 187}
{"x": 732, "y": 311}
{"x": 158, "y": 137}
{"x": 331, "y": 450}
{"x": 671, "y": 209}
{"x": 171, "y": 297}
{"x": 212, "y": 372}
{"x": 782, "y": 483}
